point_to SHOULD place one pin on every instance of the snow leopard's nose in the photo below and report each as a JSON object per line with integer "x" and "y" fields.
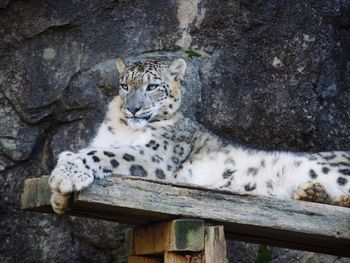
{"x": 133, "y": 109}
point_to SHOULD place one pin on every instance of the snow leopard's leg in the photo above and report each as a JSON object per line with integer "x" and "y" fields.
{"x": 312, "y": 192}
{"x": 315, "y": 192}
{"x": 76, "y": 171}
{"x": 341, "y": 200}
{"x": 329, "y": 175}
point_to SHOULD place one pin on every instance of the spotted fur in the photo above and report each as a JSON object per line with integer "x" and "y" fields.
{"x": 145, "y": 135}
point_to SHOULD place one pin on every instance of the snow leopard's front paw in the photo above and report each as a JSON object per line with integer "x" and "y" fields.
{"x": 70, "y": 174}
{"x": 59, "y": 202}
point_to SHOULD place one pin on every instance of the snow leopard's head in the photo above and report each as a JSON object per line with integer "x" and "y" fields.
{"x": 150, "y": 90}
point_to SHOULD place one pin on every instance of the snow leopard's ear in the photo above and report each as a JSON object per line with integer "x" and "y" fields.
{"x": 177, "y": 68}
{"x": 121, "y": 65}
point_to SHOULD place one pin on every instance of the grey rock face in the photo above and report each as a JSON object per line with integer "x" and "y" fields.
{"x": 283, "y": 80}
{"x": 272, "y": 75}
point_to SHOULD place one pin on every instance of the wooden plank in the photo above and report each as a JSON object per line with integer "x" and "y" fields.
{"x": 139, "y": 259}
{"x": 215, "y": 245}
{"x": 36, "y": 194}
{"x": 175, "y": 235}
{"x": 285, "y": 223}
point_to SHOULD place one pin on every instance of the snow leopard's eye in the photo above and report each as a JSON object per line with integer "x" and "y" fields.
{"x": 152, "y": 87}
{"x": 124, "y": 87}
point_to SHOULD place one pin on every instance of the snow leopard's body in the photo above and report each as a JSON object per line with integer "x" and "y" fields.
{"x": 144, "y": 134}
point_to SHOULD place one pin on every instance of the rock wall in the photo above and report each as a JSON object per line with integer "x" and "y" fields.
{"x": 269, "y": 74}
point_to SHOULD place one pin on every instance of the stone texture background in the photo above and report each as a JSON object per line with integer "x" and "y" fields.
{"x": 272, "y": 74}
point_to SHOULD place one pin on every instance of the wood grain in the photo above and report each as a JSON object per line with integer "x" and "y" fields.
{"x": 215, "y": 245}
{"x": 285, "y": 223}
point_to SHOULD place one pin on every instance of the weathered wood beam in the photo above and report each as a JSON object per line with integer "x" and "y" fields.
{"x": 215, "y": 245}
{"x": 285, "y": 223}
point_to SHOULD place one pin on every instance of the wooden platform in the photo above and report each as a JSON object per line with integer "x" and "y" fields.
{"x": 285, "y": 223}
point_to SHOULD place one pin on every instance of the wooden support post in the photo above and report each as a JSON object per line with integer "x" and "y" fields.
{"x": 215, "y": 245}
{"x": 177, "y": 241}
{"x": 179, "y": 235}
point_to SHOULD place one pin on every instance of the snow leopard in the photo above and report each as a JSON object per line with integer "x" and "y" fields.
{"x": 145, "y": 134}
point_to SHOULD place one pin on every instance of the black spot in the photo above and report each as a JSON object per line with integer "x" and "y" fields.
{"x": 269, "y": 184}
{"x": 160, "y": 174}
{"x": 226, "y": 185}
{"x": 107, "y": 170}
{"x": 337, "y": 164}
{"x": 155, "y": 147}
{"x": 84, "y": 161}
{"x": 170, "y": 106}
{"x": 137, "y": 170}
{"x": 325, "y": 170}
{"x": 150, "y": 143}
{"x": 249, "y": 187}
{"x": 179, "y": 150}
{"x": 165, "y": 112}
{"x": 312, "y": 174}
{"x": 128, "y": 157}
{"x": 169, "y": 168}
{"x": 346, "y": 156}
{"x": 109, "y": 154}
{"x": 95, "y": 158}
{"x": 252, "y": 171}
{"x": 342, "y": 180}
{"x": 344, "y": 171}
{"x": 175, "y": 160}
{"x": 263, "y": 163}
{"x": 181, "y": 138}
{"x": 114, "y": 163}
{"x": 87, "y": 167}
{"x": 111, "y": 130}
{"x": 91, "y": 153}
{"x": 228, "y": 173}
{"x": 141, "y": 152}
{"x": 328, "y": 157}
{"x": 156, "y": 159}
